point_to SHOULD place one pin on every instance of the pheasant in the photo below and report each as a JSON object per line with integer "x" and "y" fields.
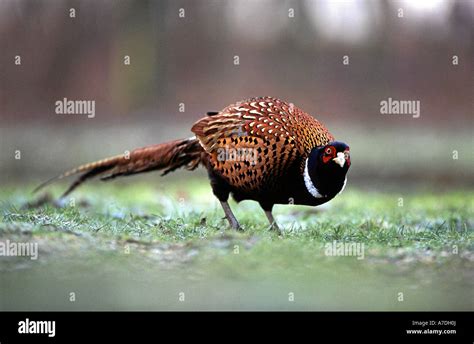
{"x": 262, "y": 149}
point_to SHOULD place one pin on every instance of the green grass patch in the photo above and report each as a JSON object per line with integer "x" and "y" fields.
{"x": 129, "y": 245}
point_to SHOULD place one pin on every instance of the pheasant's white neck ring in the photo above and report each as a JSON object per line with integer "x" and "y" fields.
{"x": 309, "y": 183}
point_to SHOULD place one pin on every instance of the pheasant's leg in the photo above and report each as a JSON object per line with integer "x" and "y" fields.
{"x": 267, "y": 207}
{"x": 230, "y": 216}
{"x": 271, "y": 219}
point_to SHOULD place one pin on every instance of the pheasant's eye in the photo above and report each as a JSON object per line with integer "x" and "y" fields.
{"x": 328, "y": 151}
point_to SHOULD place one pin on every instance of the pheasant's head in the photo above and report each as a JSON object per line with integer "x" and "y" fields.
{"x": 335, "y": 154}
{"x": 326, "y": 169}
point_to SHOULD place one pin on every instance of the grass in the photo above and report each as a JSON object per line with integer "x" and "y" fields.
{"x": 128, "y": 245}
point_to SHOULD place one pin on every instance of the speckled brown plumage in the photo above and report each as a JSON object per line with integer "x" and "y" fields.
{"x": 280, "y": 132}
{"x": 261, "y": 149}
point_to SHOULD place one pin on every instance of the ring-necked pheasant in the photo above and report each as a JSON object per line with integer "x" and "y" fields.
{"x": 261, "y": 149}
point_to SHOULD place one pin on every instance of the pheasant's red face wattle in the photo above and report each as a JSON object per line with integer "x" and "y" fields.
{"x": 339, "y": 155}
{"x": 329, "y": 154}
{"x": 347, "y": 157}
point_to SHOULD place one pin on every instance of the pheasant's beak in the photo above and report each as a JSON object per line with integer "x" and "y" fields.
{"x": 340, "y": 159}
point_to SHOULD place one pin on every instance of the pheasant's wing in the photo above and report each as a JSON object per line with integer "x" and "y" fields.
{"x": 247, "y": 140}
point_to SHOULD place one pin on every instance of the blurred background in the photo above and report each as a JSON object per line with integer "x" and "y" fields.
{"x": 190, "y": 57}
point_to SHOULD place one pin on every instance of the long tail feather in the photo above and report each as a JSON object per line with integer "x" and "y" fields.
{"x": 79, "y": 169}
{"x": 166, "y": 156}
